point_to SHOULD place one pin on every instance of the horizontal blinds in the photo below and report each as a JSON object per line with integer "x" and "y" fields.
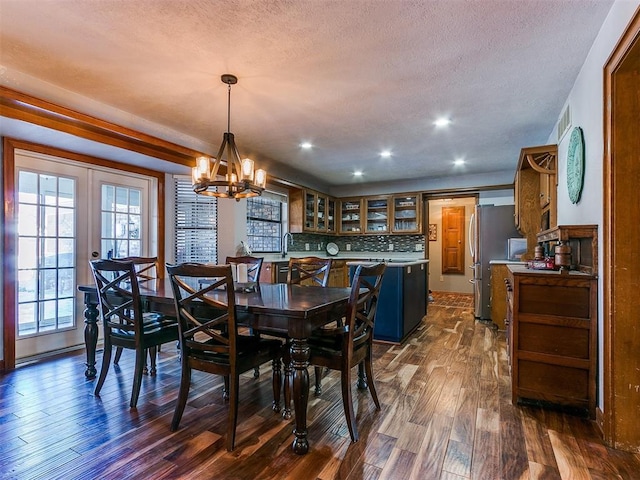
{"x": 196, "y": 224}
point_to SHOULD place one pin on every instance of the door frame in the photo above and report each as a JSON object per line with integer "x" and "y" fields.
{"x": 10, "y": 226}
{"x": 620, "y": 243}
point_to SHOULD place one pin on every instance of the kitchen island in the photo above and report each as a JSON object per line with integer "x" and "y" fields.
{"x": 403, "y": 297}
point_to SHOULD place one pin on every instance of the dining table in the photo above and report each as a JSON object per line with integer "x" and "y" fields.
{"x": 292, "y": 311}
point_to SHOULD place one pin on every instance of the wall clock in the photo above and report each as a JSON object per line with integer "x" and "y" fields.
{"x": 575, "y": 165}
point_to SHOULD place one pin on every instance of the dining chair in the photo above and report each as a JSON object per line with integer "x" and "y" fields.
{"x": 308, "y": 271}
{"x": 313, "y": 271}
{"x": 146, "y": 270}
{"x": 254, "y": 266}
{"x": 346, "y": 346}
{"x": 213, "y": 344}
{"x": 125, "y": 323}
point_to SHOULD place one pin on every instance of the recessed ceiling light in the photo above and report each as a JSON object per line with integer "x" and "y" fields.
{"x": 306, "y": 145}
{"x": 458, "y": 161}
{"x": 385, "y": 154}
{"x": 442, "y": 122}
{"x": 357, "y": 173}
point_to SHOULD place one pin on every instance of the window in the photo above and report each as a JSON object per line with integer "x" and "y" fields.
{"x": 265, "y": 222}
{"x": 196, "y": 226}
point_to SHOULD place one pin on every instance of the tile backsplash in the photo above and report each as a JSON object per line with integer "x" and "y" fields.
{"x": 358, "y": 243}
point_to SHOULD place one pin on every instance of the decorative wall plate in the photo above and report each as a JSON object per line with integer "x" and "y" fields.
{"x": 332, "y": 248}
{"x": 575, "y": 165}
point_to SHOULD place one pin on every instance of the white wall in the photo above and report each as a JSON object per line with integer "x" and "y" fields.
{"x": 438, "y": 281}
{"x": 586, "y": 102}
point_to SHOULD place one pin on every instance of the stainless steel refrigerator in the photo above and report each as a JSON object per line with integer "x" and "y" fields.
{"x": 489, "y": 229}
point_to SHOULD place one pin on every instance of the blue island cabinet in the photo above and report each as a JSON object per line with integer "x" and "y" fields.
{"x": 403, "y": 300}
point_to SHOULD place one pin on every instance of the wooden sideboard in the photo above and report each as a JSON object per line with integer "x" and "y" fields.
{"x": 551, "y": 336}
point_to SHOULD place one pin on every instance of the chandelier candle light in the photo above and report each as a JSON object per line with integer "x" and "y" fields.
{"x": 241, "y": 181}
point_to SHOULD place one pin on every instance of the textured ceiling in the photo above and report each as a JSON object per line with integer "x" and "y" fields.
{"x": 351, "y": 77}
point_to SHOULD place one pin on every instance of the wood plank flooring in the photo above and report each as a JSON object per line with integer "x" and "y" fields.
{"x": 446, "y": 414}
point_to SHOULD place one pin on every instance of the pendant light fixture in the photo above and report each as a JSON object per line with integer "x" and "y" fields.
{"x": 241, "y": 180}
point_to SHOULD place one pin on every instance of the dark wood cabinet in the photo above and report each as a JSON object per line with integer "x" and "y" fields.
{"x": 552, "y": 334}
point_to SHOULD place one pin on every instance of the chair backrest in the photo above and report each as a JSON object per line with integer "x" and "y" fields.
{"x": 309, "y": 271}
{"x": 146, "y": 267}
{"x": 363, "y": 303}
{"x": 118, "y": 295}
{"x": 254, "y": 265}
{"x": 200, "y": 334}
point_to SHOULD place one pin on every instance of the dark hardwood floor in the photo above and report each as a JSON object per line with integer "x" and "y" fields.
{"x": 446, "y": 414}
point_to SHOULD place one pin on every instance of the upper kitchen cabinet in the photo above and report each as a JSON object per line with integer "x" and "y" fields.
{"x": 311, "y": 212}
{"x": 377, "y": 220}
{"x": 351, "y": 216}
{"x": 536, "y": 192}
{"x": 405, "y": 214}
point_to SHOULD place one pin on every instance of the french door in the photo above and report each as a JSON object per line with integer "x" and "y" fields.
{"x": 68, "y": 214}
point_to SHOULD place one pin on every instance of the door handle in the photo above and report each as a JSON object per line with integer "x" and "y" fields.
{"x": 95, "y": 254}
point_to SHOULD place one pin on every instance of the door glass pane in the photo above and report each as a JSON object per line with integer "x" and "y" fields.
{"x": 46, "y": 212}
{"x": 121, "y": 228}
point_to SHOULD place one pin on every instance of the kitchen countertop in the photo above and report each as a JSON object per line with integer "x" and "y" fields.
{"x": 400, "y": 257}
{"x": 506, "y": 262}
{"x": 390, "y": 262}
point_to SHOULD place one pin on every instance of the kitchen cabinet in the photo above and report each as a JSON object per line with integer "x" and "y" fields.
{"x": 552, "y": 335}
{"x": 350, "y": 216}
{"x": 535, "y": 193}
{"x": 339, "y": 274}
{"x": 406, "y": 214}
{"x": 311, "y": 212}
{"x": 403, "y": 300}
{"x": 498, "y": 295}
{"x": 377, "y": 220}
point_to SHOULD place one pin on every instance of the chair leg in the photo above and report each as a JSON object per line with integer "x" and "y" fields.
{"x": 233, "y": 412}
{"x": 137, "y": 376}
{"x": 276, "y": 366}
{"x": 362, "y": 382}
{"x": 368, "y": 365}
{"x": 106, "y": 360}
{"x": 183, "y": 394}
{"x": 116, "y": 359}
{"x": 225, "y": 389}
{"x": 347, "y": 402}
{"x": 153, "y": 354}
{"x": 318, "y": 375}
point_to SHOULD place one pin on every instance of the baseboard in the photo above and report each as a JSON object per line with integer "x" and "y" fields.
{"x": 47, "y": 355}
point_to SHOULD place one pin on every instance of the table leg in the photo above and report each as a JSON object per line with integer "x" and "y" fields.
{"x": 300, "y": 361}
{"x": 91, "y": 315}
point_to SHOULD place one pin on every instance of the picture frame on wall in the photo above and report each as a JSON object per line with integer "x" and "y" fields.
{"x": 433, "y": 232}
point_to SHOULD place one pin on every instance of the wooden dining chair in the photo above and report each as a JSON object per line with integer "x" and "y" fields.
{"x": 147, "y": 270}
{"x": 254, "y": 266}
{"x": 212, "y": 343}
{"x": 308, "y": 271}
{"x": 125, "y": 323}
{"x": 312, "y": 271}
{"x": 346, "y": 346}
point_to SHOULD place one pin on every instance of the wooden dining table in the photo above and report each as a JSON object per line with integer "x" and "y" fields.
{"x": 293, "y": 311}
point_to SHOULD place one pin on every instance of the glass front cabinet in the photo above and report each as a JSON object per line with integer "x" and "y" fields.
{"x": 351, "y": 215}
{"x": 406, "y": 214}
{"x": 377, "y": 220}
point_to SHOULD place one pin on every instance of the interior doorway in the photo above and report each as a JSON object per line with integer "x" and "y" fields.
{"x": 621, "y": 243}
{"x": 459, "y": 282}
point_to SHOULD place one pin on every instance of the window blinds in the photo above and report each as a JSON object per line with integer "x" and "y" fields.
{"x": 196, "y": 224}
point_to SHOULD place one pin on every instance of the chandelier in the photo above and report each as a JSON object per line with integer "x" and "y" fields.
{"x": 240, "y": 181}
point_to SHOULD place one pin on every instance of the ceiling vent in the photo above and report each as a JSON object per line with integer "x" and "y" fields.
{"x": 565, "y": 123}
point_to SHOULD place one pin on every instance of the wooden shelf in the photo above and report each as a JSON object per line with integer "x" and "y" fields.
{"x": 583, "y": 240}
